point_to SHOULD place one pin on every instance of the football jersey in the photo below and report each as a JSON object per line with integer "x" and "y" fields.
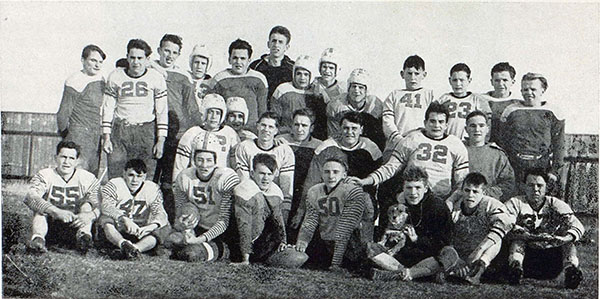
{"x": 69, "y": 195}
{"x": 491, "y": 161}
{"x": 404, "y": 110}
{"x": 81, "y": 102}
{"x": 212, "y": 198}
{"x": 498, "y": 106}
{"x": 135, "y": 100}
{"x": 371, "y": 112}
{"x": 446, "y": 161}
{"x": 144, "y": 206}
{"x": 197, "y": 138}
{"x": 460, "y": 108}
{"x": 331, "y": 92}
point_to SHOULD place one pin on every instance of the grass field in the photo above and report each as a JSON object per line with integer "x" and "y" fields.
{"x": 69, "y": 275}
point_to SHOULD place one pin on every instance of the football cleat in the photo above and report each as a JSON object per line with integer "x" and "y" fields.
{"x": 385, "y": 275}
{"x": 573, "y": 277}
{"x": 84, "y": 243}
{"x": 37, "y": 245}
{"x": 477, "y": 270}
{"x": 130, "y": 251}
{"x": 448, "y": 257}
{"x": 515, "y": 273}
{"x": 287, "y": 258}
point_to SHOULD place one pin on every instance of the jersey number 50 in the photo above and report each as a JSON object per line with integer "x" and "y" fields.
{"x": 329, "y": 206}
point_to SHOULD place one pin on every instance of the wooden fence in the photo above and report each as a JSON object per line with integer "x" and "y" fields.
{"x": 29, "y": 141}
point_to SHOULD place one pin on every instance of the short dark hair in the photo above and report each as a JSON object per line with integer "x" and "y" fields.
{"x": 68, "y": 144}
{"x": 504, "y": 67}
{"x": 461, "y": 67}
{"x": 536, "y": 172}
{"x": 477, "y": 113}
{"x": 240, "y": 44}
{"x": 137, "y": 165}
{"x": 414, "y": 174}
{"x": 122, "y": 63}
{"x": 414, "y": 61}
{"x": 87, "y": 50}
{"x": 337, "y": 159}
{"x": 536, "y": 76}
{"x": 305, "y": 112}
{"x": 139, "y": 44}
{"x": 176, "y": 39}
{"x": 475, "y": 178}
{"x": 283, "y": 31}
{"x": 436, "y": 107}
{"x": 266, "y": 160}
{"x": 353, "y": 117}
{"x": 271, "y": 115}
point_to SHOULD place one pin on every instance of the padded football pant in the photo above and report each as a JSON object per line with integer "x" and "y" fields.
{"x": 132, "y": 142}
{"x": 89, "y": 141}
{"x": 542, "y": 263}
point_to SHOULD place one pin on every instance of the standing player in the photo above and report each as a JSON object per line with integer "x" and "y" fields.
{"x": 404, "y": 109}
{"x": 239, "y": 81}
{"x": 268, "y": 125}
{"x": 132, "y": 211}
{"x": 460, "y": 101}
{"x": 134, "y": 112}
{"x": 79, "y": 113}
{"x": 200, "y": 62}
{"x": 64, "y": 201}
{"x": 276, "y": 66}
{"x": 291, "y": 96}
{"x": 203, "y": 204}
{"x": 330, "y": 233}
{"x": 327, "y": 84}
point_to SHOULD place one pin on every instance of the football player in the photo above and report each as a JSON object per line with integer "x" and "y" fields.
{"x": 203, "y": 204}
{"x": 460, "y": 102}
{"x": 134, "y": 112}
{"x": 543, "y": 239}
{"x": 200, "y": 63}
{"x": 327, "y": 84}
{"x": 78, "y": 116}
{"x": 64, "y": 200}
{"x": 237, "y": 118}
{"x": 133, "y": 217}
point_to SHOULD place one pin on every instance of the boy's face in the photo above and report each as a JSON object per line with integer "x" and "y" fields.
{"x": 472, "y": 195}
{"x": 262, "y": 176}
{"x": 212, "y": 119}
{"x": 333, "y": 173}
{"x": 301, "y": 78}
{"x": 357, "y": 92}
{"x": 502, "y": 82}
{"x": 235, "y": 119}
{"x": 302, "y": 128}
{"x": 205, "y": 164}
{"x": 168, "y": 52}
{"x": 239, "y": 60}
{"x": 535, "y": 189}
{"x": 277, "y": 44}
{"x": 328, "y": 71}
{"x": 137, "y": 61}
{"x": 92, "y": 64}
{"x": 532, "y": 91}
{"x": 413, "y": 77}
{"x": 133, "y": 179}
{"x": 435, "y": 125}
{"x": 267, "y": 129}
{"x": 459, "y": 82}
{"x": 477, "y": 129}
{"x": 351, "y": 133}
{"x": 66, "y": 160}
{"x": 414, "y": 191}
{"x": 199, "y": 65}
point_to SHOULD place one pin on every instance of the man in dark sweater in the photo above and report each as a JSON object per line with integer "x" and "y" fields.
{"x": 276, "y": 66}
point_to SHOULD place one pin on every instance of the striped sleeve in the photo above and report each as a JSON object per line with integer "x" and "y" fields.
{"x": 34, "y": 198}
{"x": 92, "y": 193}
{"x": 110, "y": 199}
{"x": 228, "y": 183}
{"x": 348, "y": 221}
{"x": 179, "y": 195}
{"x": 161, "y": 108}
{"x": 575, "y": 226}
{"x": 460, "y": 165}
{"x": 109, "y": 102}
{"x": 286, "y": 177}
{"x": 501, "y": 222}
{"x": 158, "y": 214}
{"x": 183, "y": 154}
{"x": 309, "y": 225}
{"x": 390, "y": 130}
{"x": 221, "y": 225}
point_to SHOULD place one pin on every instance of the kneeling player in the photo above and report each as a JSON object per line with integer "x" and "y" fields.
{"x": 259, "y": 219}
{"x": 203, "y": 206}
{"x": 64, "y": 201}
{"x": 132, "y": 211}
{"x": 334, "y": 210}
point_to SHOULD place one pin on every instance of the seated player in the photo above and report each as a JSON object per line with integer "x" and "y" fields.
{"x": 237, "y": 119}
{"x": 543, "y": 239}
{"x": 426, "y": 251}
{"x": 133, "y": 217}
{"x": 461, "y": 101}
{"x": 330, "y": 232}
{"x": 257, "y": 206}
{"x": 480, "y": 224}
{"x": 203, "y": 205}
{"x": 358, "y": 100}
{"x": 298, "y": 94}
{"x": 327, "y": 84}
{"x": 213, "y": 130}
{"x": 64, "y": 201}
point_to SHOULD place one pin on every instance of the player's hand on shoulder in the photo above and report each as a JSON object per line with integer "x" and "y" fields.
{"x": 354, "y": 180}
{"x": 279, "y": 141}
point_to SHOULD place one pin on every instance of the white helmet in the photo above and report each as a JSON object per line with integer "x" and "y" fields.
{"x": 237, "y": 104}
{"x": 207, "y": 143}
{"x": 307, "y": 63}
{"x": 359, "y": 76}
{"x": 213, "y": 101}
{"x": 330, "y": 57}
{"x": 201, "y": 50}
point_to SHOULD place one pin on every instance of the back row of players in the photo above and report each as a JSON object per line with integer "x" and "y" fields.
{"x": 150, "y": 111}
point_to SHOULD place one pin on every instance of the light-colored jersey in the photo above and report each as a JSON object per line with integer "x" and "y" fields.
{"x": 144, "y": 206}
{"x": 211, "y": 198}
{"x": 329, "y": 92}
{"x": 47, "y": 188}
{"x": 135, "y": 100}
{"x": 285, "y": 100}
{"x": 460, "y": 108}
{"x": 404, "y": 110}
{"x": 197, "y": 138}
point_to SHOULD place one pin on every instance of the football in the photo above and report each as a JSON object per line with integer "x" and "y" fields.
{"x": 288, "y": 258}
